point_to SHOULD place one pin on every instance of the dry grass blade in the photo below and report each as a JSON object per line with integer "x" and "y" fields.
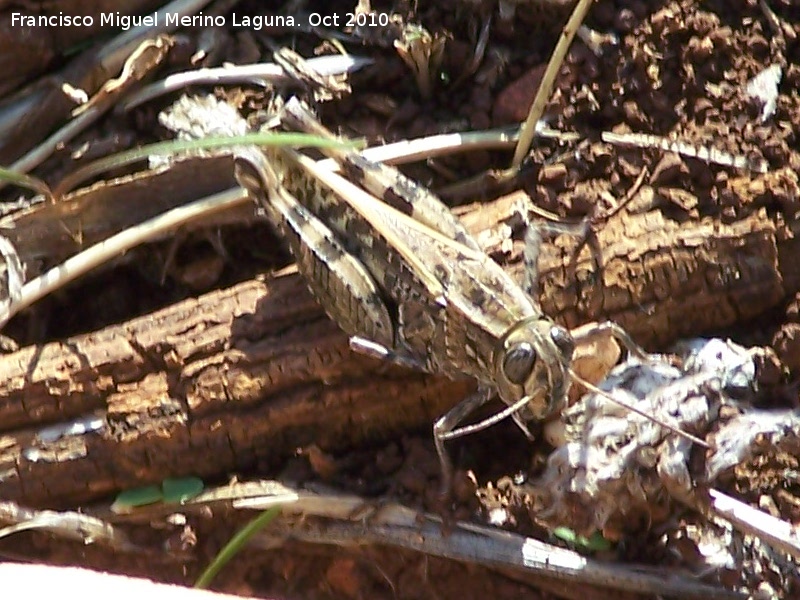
{"x": 15, "y": 271}
{"x": 707, "y": 154}
{"x": 546, "y": 86}
{"x": 172, "y": 147}
{"x": 144, "y": 59}
{"x": 406, "y": 151}
{"x": 327, "y": 517}
{"x": 104, "y": 251}
{"x": 65, "y": 524}
{"x": 261, "y": 73}
{"x": 779, "y": 534}
{"x": 332, "y": 518}
{"x": 26, "y": 181}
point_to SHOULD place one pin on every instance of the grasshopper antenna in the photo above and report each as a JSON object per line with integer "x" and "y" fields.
{"x": 594, "y": 389}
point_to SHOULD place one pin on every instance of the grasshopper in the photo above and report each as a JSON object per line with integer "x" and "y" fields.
{"x": 400, "y": 275}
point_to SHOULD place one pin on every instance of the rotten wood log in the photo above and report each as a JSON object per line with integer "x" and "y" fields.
{"x": 243, "y": 377}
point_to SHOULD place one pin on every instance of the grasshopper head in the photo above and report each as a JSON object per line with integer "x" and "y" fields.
{"x": 532, "y": 361}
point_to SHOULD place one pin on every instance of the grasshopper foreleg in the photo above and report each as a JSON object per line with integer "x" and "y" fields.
{"x": 445, "y": 428}
{"x": 534, "y": 234}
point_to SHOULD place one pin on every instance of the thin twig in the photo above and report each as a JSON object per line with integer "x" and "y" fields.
{"x": 546, "y": 86}
{"x": 104, "y": 251}
{"x": 260, "y": 73}
{"x": 432, "y": 146}
{"x": 111, "y": 57}
{"x": 779, "y": 534}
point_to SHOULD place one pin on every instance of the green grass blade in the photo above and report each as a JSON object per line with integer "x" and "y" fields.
{"x": 122, "y": 159}
{"x": 594, "y": 543}
{"x": 26, "y": 181}
{"x": 141, "y": 496}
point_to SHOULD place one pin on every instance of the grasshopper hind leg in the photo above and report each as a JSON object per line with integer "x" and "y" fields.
{"x": 585, "y": 230}
{"x": 338, "y": 280}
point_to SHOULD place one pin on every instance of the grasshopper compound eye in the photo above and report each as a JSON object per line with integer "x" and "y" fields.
{"x": 518, "y": 362}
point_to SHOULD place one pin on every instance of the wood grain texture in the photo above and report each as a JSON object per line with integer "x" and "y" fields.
{"x": 242, "y": 377}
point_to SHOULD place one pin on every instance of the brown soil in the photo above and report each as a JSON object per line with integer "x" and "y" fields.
{"x": 679, "y": 70}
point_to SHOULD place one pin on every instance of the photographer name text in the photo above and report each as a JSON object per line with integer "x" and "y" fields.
{"x": 254, "y": 22}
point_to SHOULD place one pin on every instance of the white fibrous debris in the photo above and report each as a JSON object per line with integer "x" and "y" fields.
{"x": 196, "y": 117}
{"x": 764, "y": 86}
{"x": 618, "y": 466}
{"x": 620, "y": 473}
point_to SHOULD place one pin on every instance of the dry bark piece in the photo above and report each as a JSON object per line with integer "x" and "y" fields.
{"x": 26, "y": 51}
{"x": 662, "y": 280}
{"x": 47, "y": 234}
{"x": 209, "y": 386}
{"x": 44, "y": 106}
{"x": 243, "y": 376}
{"x": 617, "y": 469}
{"x": 333, "y": 518}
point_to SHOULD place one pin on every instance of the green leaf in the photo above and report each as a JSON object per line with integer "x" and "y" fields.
{"x": 594, "y": 543}
{"x": 179, "y": 490}
{"x": 565, "y": 534}
{"x": 141, "y": 496}
{"x": 597, "y": 543}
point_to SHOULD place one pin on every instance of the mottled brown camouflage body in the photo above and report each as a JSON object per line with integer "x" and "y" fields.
{"x": 403, "y": 273}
